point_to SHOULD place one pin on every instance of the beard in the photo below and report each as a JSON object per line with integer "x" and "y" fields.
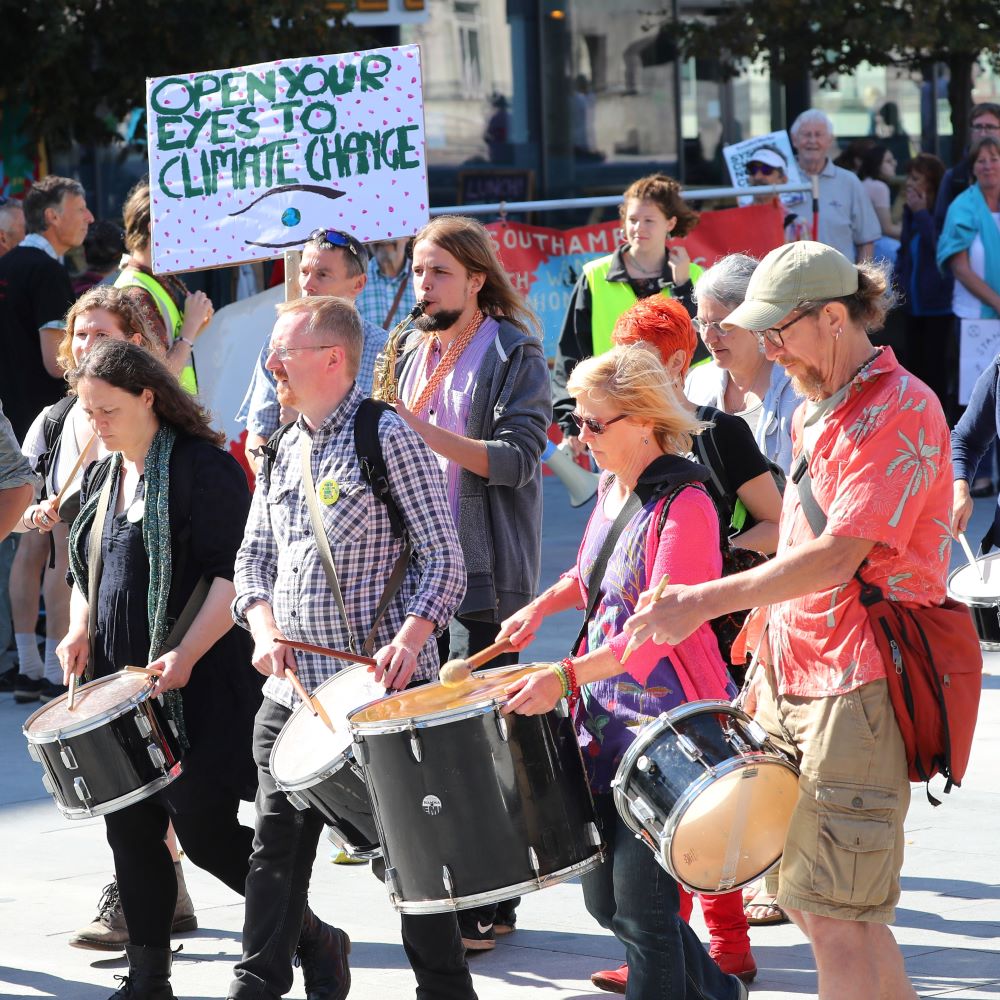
{"x": 286, "y": 396}
{"x": 443, "y": 320}
{"x": 809, "y": 385}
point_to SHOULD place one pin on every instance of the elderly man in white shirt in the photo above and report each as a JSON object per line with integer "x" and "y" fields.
{"x": 847, "y": 220}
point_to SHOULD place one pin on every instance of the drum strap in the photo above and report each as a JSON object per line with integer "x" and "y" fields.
{"x": 95, "y": 561}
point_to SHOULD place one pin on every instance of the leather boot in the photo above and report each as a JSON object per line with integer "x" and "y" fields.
{"x": 322, "y": 952}
{"x": 148, "y": 974}
{"x": 184, "y": 918}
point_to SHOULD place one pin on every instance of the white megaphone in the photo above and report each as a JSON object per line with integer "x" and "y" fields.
{"x": 581, "y": 484}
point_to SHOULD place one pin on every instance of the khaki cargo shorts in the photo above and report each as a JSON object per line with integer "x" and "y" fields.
{"x": 844, "y": 848}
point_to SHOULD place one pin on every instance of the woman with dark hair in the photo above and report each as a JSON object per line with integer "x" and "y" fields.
{"x": 652, "y": 212}
{"x": 175, "y": 506}
{"x": 877, "y": 171}
{"x": 925, "y": 293}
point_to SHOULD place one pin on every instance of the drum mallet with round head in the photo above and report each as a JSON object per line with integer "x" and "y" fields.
{"x": 456, "y": 672}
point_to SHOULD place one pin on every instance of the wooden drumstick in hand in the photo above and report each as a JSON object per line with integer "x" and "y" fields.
{"x": 633, "y": 643}
{"x": 313, "y": 704}
{"x": 456, "y": 672}
{"x": 74, "y": 470}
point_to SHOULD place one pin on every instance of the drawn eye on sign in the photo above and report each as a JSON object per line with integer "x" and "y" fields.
{"x": 285, "y": 217}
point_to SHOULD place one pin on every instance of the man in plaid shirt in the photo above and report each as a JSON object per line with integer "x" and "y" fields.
{"x": 282, "y": 591}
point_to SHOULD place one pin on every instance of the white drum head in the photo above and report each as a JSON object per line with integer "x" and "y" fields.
{"x": 97, "y": 699}
{"x": 306, "y": 747}
{"x": 964, "y": 584}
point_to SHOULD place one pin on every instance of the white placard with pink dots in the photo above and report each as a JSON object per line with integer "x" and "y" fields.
{"x": 245, "y": 163}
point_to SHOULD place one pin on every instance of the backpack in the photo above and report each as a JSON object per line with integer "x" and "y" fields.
{"x": 371, "y": 460}
{"x": 52, "y": 428}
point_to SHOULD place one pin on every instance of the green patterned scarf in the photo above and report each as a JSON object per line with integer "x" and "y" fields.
{"x": 156, "y": 541}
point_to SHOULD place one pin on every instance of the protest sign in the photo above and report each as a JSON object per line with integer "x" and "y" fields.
{"x": 978, "y": 346}
{"x": 544, "y": 264}
{"x": 740, "y": 154}
{"x": 245, "y": 163}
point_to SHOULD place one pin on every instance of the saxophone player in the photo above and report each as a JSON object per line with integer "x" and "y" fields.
{"x": 472, "y": 381}
{"x": 333, "y": 263}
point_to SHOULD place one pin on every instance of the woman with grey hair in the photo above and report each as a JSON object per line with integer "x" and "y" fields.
{"x": 739, "y": 379}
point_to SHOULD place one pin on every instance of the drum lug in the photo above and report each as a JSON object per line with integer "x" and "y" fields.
{"x": 447, "y": 880}
{"x": 392, "y": 883}
{"x": 641, "y": 810}
{"x": 688, "y": 748}
{"x": 297, "y": 801}
{"x": 501, "y": 726}
{"x": 66, "y": 756}
{"x": 533, "y": 860}
{"x": 757, "y": 733}
{"x": 47, "y": 784}
{"x": 81, "y": 789}
{"x": 644, "y": 764}
{"x": 156, "y": 756}
{"x": 734, "y": 739}
{"x": 173, "y": 728}
{"x": 144, "y": 726}
{"x": 593, "y": 834}
{"x": 416, "y": 749}
{"x": 33, "y": 753}
{"x": 361, "y": 751}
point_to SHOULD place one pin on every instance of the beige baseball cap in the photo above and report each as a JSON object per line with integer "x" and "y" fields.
{"x": 787, "y": 277}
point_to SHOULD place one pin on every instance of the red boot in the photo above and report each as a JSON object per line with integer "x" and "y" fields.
{"x": 733, "y": 963}
{"x": 612, "y": 980}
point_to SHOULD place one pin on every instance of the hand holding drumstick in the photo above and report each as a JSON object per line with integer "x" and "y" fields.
{"x": 635, "y": 642}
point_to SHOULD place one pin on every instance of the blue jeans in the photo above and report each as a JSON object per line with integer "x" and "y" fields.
{"x": 634, "y": 898}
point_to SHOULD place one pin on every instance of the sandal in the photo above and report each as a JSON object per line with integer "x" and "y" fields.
{"x": 762, "y": 911}
{"x": 751, "y": 890}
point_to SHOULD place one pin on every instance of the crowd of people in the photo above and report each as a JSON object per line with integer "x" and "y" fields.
{"x": 695, "y": 388}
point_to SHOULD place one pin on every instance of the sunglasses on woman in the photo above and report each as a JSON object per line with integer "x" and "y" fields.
{"x": 760, "y": 168}
{"x": 592, "y": 425}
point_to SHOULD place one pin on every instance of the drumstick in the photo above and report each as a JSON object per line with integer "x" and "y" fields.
{"x": 72, "y": 691}
{"x": 971, "y": 557}
{"x": 148, "y": 671}
{"x": 313, "y": 704}
{"x": 337, "y": 654}
{"x": 74, "y": 470}
{"x": 633, "y": 644}
{"x": 455, "y": 672}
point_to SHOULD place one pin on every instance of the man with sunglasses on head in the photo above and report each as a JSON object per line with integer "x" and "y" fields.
{"x": 871, "y": 501}
{"x": 333, "y": 263}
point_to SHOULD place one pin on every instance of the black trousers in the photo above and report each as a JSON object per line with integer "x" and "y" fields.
{"x": 470, "y": 637}
{"x": 284, "y": 849}
{"x": 212, "y": 838}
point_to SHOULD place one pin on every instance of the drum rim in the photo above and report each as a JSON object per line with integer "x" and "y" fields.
{"x": 332, "y": 766}
{"x": 87, "y": 725}
{"x": 970, "y": 602}
{"x": 348, "y": 848}
{"x": 449, "y": 904}
{"x": 699, "y": 785}
{"x": 128, "y": 799}
{"x": 427, "y": 720}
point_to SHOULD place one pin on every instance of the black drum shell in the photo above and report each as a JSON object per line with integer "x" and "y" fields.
{"x": 478, "y": 804}
{"x": 342, "y": 799}
{"x": 114, "y": 760}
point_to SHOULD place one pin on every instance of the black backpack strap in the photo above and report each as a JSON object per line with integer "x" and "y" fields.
{"x": 52, "y": 427}
{"x": 376, "y": 474}
{"x": 269, "y": 452}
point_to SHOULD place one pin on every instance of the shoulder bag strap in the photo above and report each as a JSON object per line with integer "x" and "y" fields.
{"x": 810, "y": 506}
{"x": 187, "y": 616}
{"x": 632, "y": 505}
{"x": 319, "y": 532}
{"x": 400, "y": 288}
{"x": 95, "y": 562}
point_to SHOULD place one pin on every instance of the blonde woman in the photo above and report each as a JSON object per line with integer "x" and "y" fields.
{"x": 635, "y": 426}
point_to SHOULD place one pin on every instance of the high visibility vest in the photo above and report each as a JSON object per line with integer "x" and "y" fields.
{"x": 609, "y": 299}
{"x": 132, "y": 278}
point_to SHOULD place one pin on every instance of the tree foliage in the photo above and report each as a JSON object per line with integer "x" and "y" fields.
{"x": 827, "y": 37}
{"x": 81, "y": 66}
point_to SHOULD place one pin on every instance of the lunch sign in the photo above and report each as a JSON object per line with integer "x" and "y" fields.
{"x": 245, "y": 163}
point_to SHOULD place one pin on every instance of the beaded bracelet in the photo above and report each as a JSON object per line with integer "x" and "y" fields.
{"x": 574, "y": 687}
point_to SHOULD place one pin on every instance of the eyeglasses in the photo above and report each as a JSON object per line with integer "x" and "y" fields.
{"x": 284, "y": 353}
{"x": 760, "y": 168}
{"x": 337, "y": 238}
{"x": 774, "y": 335}
{"x": 592, "y": 425}
{"x": 984, "y": 127}
{"x": 702, "y": 327}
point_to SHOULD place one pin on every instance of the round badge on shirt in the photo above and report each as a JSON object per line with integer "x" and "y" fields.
{"x": 329, "y": 491}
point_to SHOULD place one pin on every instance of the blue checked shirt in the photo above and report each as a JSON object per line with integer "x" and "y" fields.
{"x": 278, "y": 561}
{"x": 379, "y": 293}
{"x": 260, "y": 409}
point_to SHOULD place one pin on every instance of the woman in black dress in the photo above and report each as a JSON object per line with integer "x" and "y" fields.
{"x": 176, "y": 514}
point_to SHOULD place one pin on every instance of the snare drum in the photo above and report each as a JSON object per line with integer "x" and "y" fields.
{"x": 116, "y": 747}
{"x": 982, "y": 597}
{"x": 474, "y": 807}
{"x": 316, "y": 769}
{"x": 705, "y": 788}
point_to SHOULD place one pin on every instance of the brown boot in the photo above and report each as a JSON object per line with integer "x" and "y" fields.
{"x": 184, "y": 918}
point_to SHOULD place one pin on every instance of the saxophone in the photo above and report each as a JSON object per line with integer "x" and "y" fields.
{"x": 384, "y": 384}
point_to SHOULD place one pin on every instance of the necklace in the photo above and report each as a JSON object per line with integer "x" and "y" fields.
{"x": 639, "y": 270}
{"x": 445, "y": 365}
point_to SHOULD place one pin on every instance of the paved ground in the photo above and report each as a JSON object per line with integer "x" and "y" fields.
{"x": 53, "y": 871}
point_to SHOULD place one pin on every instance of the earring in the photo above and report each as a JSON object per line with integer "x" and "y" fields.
{"x": 836, "y": 336}
{"x": 645, "y": 440}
